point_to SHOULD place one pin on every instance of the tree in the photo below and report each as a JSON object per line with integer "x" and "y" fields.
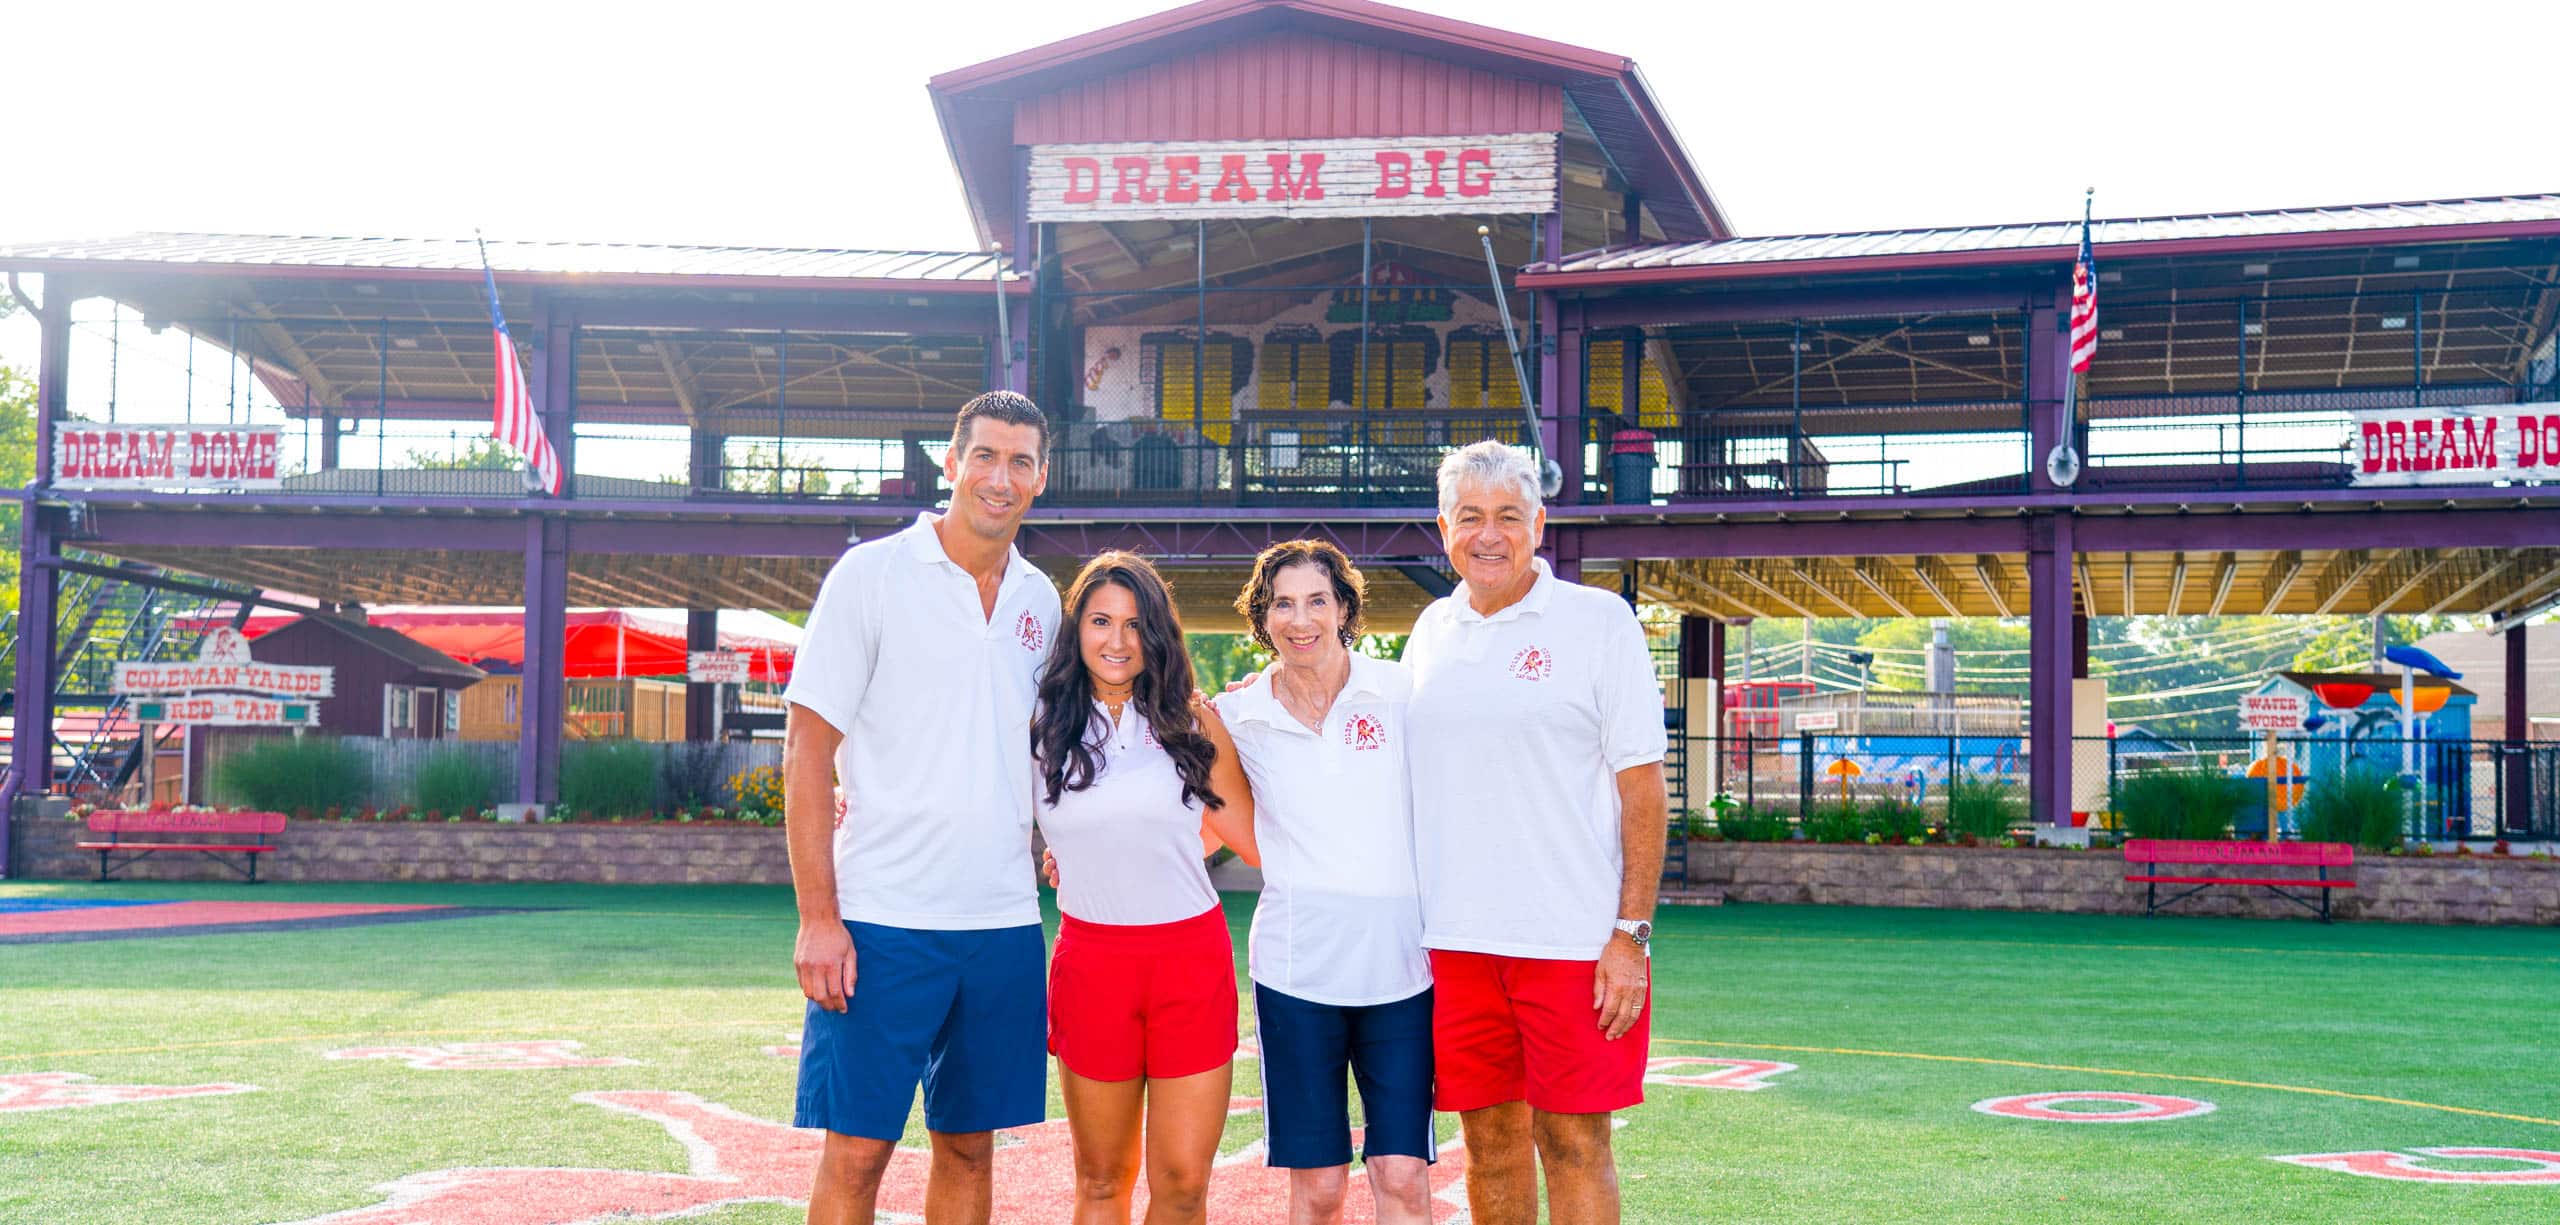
{"x": 17, "y": 461}
{"x": 767, "y": 468}
{"x": 2346, "y": 643}
{"x": 484, "y": 454}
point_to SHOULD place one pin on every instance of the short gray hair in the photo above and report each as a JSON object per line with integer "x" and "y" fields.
{"x": 1487, "y": 463}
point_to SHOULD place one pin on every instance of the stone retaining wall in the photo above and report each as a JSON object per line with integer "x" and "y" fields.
{"x": 658, "y": 853}
{"x": 2404, "y": 889}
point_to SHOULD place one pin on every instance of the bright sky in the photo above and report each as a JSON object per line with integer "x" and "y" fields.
{"x": 807, "y": 123}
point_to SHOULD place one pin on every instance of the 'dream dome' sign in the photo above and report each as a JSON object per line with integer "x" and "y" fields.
{"x": 164, "y": 456}
{"x": 2456, "y": 446}
{"x": 1375, "y": 177}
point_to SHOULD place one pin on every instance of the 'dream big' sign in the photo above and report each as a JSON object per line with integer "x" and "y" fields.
{"x": 157, "y": 456}
{"x": 1368, "y": 177}
{"x": 2457, "y": 446}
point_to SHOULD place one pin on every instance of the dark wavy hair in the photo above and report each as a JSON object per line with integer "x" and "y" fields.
{"x": 1064, "y": 745}
{"x": 1350, "y": 590}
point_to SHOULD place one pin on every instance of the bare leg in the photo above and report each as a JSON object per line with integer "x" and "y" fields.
{"x": 961, "y": 1190}
{"x": 1315, "y": 1196}
{"x": 1103, "y": 1120}
{"x": 1185, "y": 1117}
{"x": 1502, "y": 1168}
{"x": 847, "y": 1185}
{"x": 1582, "y": 1173}
{"x": 1403, "y": 1187}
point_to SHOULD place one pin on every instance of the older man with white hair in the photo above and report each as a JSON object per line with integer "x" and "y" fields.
{"x": 1535, "y": 749}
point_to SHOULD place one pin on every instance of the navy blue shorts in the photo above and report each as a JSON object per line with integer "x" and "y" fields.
{"x": 964, "y": 1012}
{"x": 1306, "y": 1047}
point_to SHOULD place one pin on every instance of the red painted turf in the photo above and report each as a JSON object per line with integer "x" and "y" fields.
{"x": 184, "y": 914}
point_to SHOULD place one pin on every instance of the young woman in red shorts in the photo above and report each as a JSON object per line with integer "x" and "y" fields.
{"x": 1136, "y": 781}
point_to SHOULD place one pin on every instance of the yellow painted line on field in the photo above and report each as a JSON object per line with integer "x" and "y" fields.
{"x": 473, "y": 1032}
{"x": 2052, "y": 946}
{"x": 2308, "y": 1090}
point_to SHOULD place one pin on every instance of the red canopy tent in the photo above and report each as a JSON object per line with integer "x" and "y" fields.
{"x": 600, "y": 643}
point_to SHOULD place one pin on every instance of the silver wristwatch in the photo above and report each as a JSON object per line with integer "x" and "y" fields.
{"x": 1637, "y": 930}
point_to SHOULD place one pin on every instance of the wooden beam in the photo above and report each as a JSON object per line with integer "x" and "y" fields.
{"x": 1801, "y": 574}
{"x": 2177, "y": 581}
{"x": 2225, "y": 571}
{"x": 1743, "y": 572}
{"x": 2358, "y": 563}
{"x": 2524, "y": 590}
{"x": 2467, "y": 588}
{"x": 1858, "y": 571}
{"x": 1986, "y": 571}
{"x": 2416, "y": 578}
{"x": 1924, "y": 571}
{"x": 679, "y": 377}
{"x": 2280, "y": 577}
{"x": 2128, "y": 585}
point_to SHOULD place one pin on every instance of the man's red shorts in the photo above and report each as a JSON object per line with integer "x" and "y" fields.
{"x": 1157, "y": 1000}
{"x": 1508, "y": 1029}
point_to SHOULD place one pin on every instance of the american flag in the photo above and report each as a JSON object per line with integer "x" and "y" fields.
{"x": 513, "y": 420}
{"x": 2084, "y": 305}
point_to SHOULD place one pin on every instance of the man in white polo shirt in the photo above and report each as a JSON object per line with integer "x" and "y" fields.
{"x": 1539, "y": 817}
{"x": 919, "y": 945}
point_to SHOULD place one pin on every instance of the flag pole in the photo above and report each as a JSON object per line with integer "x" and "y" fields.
{"x": 1004, "y": 328}
{"x": 2071, "y": 377}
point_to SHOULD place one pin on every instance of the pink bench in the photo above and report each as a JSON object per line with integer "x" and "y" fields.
{"x": 216, "y": 834}
{"x": 2155, "y": 853}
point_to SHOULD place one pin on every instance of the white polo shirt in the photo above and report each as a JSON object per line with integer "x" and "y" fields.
{"x": 933, "y": 827}
{"x": 1340, "y": 919}
{"x": 1521, "y": 722}
{"x": 1128, "y": 845}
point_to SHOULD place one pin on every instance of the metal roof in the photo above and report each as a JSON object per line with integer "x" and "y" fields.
{"x": 2031, "y": 242}
{"x": 451, "y": 257}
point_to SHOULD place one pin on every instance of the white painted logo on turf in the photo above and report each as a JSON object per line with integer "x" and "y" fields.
{"x": 1745, "y": 1075}
{"x": 68, "y": 1090}
{"x": 488, "y": 1056}
{"x": 2542, "y": 1166}
{"x": 2135, "y": 1107}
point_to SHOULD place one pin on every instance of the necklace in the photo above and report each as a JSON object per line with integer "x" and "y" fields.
{"x": 1113, "y": 700}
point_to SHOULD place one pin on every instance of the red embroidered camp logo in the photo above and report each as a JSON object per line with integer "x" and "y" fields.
{"x": 1147, "y": 735}
{"x": 1364, "y": 732}
{"x": 841, "y": 808}
{"x": 1029, "y": 631}
{"x": 65, "y": 1090}
{"x": 1533, "y": 663}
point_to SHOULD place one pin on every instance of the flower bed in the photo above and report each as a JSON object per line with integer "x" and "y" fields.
{"x": 2439, "y": 888}
{"x": 409, "y": 847}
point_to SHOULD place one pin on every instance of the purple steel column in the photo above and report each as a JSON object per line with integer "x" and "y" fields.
{"x": 704, "y": 467}
{"x": 558, "y": 391}
{"x": 701, "y": 702}
{"x": 31, "y": 749}
{"x": 542, "y": 692}
{"x": 1563, "y": 438}
{"x": 2519, "y": 776}
{"x": 2049, "y": 617}
{"x": 2048, "y": 367}
{"x": 2080, "y": 646}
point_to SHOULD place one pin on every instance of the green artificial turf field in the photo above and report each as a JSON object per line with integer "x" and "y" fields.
{"x": 2305, "y": 1040}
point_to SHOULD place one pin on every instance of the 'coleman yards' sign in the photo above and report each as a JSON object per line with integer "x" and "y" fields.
{"x": 153, "y": 456}
{"x": 1418, "y": 175}
{"x": 2456, "y": 446}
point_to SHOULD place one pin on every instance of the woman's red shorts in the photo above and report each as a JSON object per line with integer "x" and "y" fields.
{"x": 1155, "y": 1000}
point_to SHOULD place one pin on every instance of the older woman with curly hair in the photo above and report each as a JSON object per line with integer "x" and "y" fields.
{"x": 1340, "y": 981}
